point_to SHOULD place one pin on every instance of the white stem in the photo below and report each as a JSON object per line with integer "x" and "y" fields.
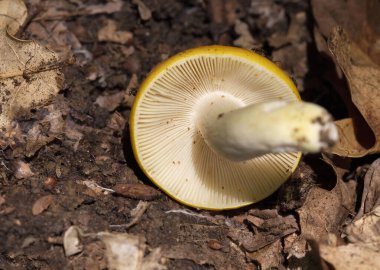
{"x": 271, "y": 127}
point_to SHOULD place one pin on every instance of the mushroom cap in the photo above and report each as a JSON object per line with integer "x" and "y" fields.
{"x": 166, "y": 140}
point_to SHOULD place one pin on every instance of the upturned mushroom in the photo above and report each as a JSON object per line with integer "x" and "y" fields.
{"x": 220, "y": 127}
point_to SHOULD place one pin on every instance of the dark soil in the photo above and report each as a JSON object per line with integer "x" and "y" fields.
{"x": 93, "y": 147}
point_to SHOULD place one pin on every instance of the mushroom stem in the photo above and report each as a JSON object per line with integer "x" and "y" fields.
{"x": 271, "y": 127}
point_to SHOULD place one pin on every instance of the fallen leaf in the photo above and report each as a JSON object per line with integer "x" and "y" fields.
{"x": 42, "y": 204}
{"x": 29, "y": 72}
{"x": 267, "y": 226}
{"x": 321, "y": 214}
{"x": 137, "y": 191}
{"x": 136, "y": 215}
{"x": 144, "y": 11}
{"x": 268, "y": 257}
{"x": 72, "y": 243}
{"x": 22, "y": 170}
{"x": 371, "y": 190}
{"x": 366, "y": 230}
{"x": 110, "y": 102}
{"x": 13, "y": 15}
{"x": 353, "y": 257}
{"x": 245, "y": 39}
{"x": 38, "y": 137}
{"x": 214, "y": 244}
{"x": 54, "y": 11}
{"x": 359, "y": 135}
{"x": 110, "y": 33}
{"x": 126, "y": 252}
{"x": 360, "y": 18}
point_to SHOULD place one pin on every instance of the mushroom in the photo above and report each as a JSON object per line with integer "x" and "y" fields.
{"x": 220, "y": 127}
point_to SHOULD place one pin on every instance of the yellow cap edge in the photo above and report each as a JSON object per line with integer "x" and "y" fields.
{"x": 205, "y": 50}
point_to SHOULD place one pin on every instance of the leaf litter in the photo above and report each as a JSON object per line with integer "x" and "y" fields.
{"x": 29, "y": 72}
{"x": 80, "y": 179}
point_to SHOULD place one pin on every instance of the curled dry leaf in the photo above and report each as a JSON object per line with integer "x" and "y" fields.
{"x": 72, "y": 241}
{"x": 42, "y": 204}
{"x": 144, "y": 11}
{"x": 29, "y": 72}
{"x": 360, "y": 134}
{"x": 360, "y": 18}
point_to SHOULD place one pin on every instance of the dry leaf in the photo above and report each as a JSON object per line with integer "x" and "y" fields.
{"x": 269, "y": 257}
{"x": 29, "y": 72}
{"x": 110, "y": 102}
{"x": 137, "y": 191}
{"x": 144, "y": 11}
{"x": 325, "y": 210}
{"x": 110, "y": 33}
{"x": 22, "y": 170}
{"x": 42, "y": 204}
{"x": 245, "y": 39}
{"x": 371, "y": 191}
{"x": 72, "y": 241}
{"x": 366, "y": 230}
{"x": 13, "y": 15}
{"x": 353, "y": 257}
{"x": 126, "y": 252}
{"x": 267, "y": 226}
{"x": 136, "y": 215}
{"x": 363, "y": 77}
{"x": 360, "y": 18}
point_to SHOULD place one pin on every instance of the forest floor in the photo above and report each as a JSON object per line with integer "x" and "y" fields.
{"x": 65, "y": 166}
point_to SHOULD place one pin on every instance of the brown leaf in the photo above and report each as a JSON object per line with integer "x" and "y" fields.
{"x": 360, "y": 18}
{"x": 214, "y": 244}
{"x": 359, "y": 135}
{"x": 22, "y": 170}
{"x": 144, "y": 11}
{"x": 29, "y": 72}
{"x": 353, "y": 257}
{"x": 137, "y": 191}
{"x": 110, "y": 102}
{"x": 325, "y": 211}
{"x": 110, "y": 33}
{"x": 13, "y": 15}
{"x": 42, "y": 204}
{"x": 269, "y": 257}
{"x": 366, "y": 230}
{"x": 371, "y": 191}
{"x": 268, "y": 227}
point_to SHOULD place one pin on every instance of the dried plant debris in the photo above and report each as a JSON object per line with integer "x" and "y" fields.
{"x": 126, "y": 252}
{"x": 358, "y": 17}
{"x": 366, "y": 230}
{"x": 359, "y": 135}
{"x": 42, "y": 204}
{"x": 267, "y": 226}
{"x": 29, "y": 72}
{"x": 325, "y": 211}
{"x": 137, "y": 191}
{"x": 351, "y": 257}
{"x": 371, "y": 190}
{"x": 72, "y": 241}
{"x": 122, "y": 251}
